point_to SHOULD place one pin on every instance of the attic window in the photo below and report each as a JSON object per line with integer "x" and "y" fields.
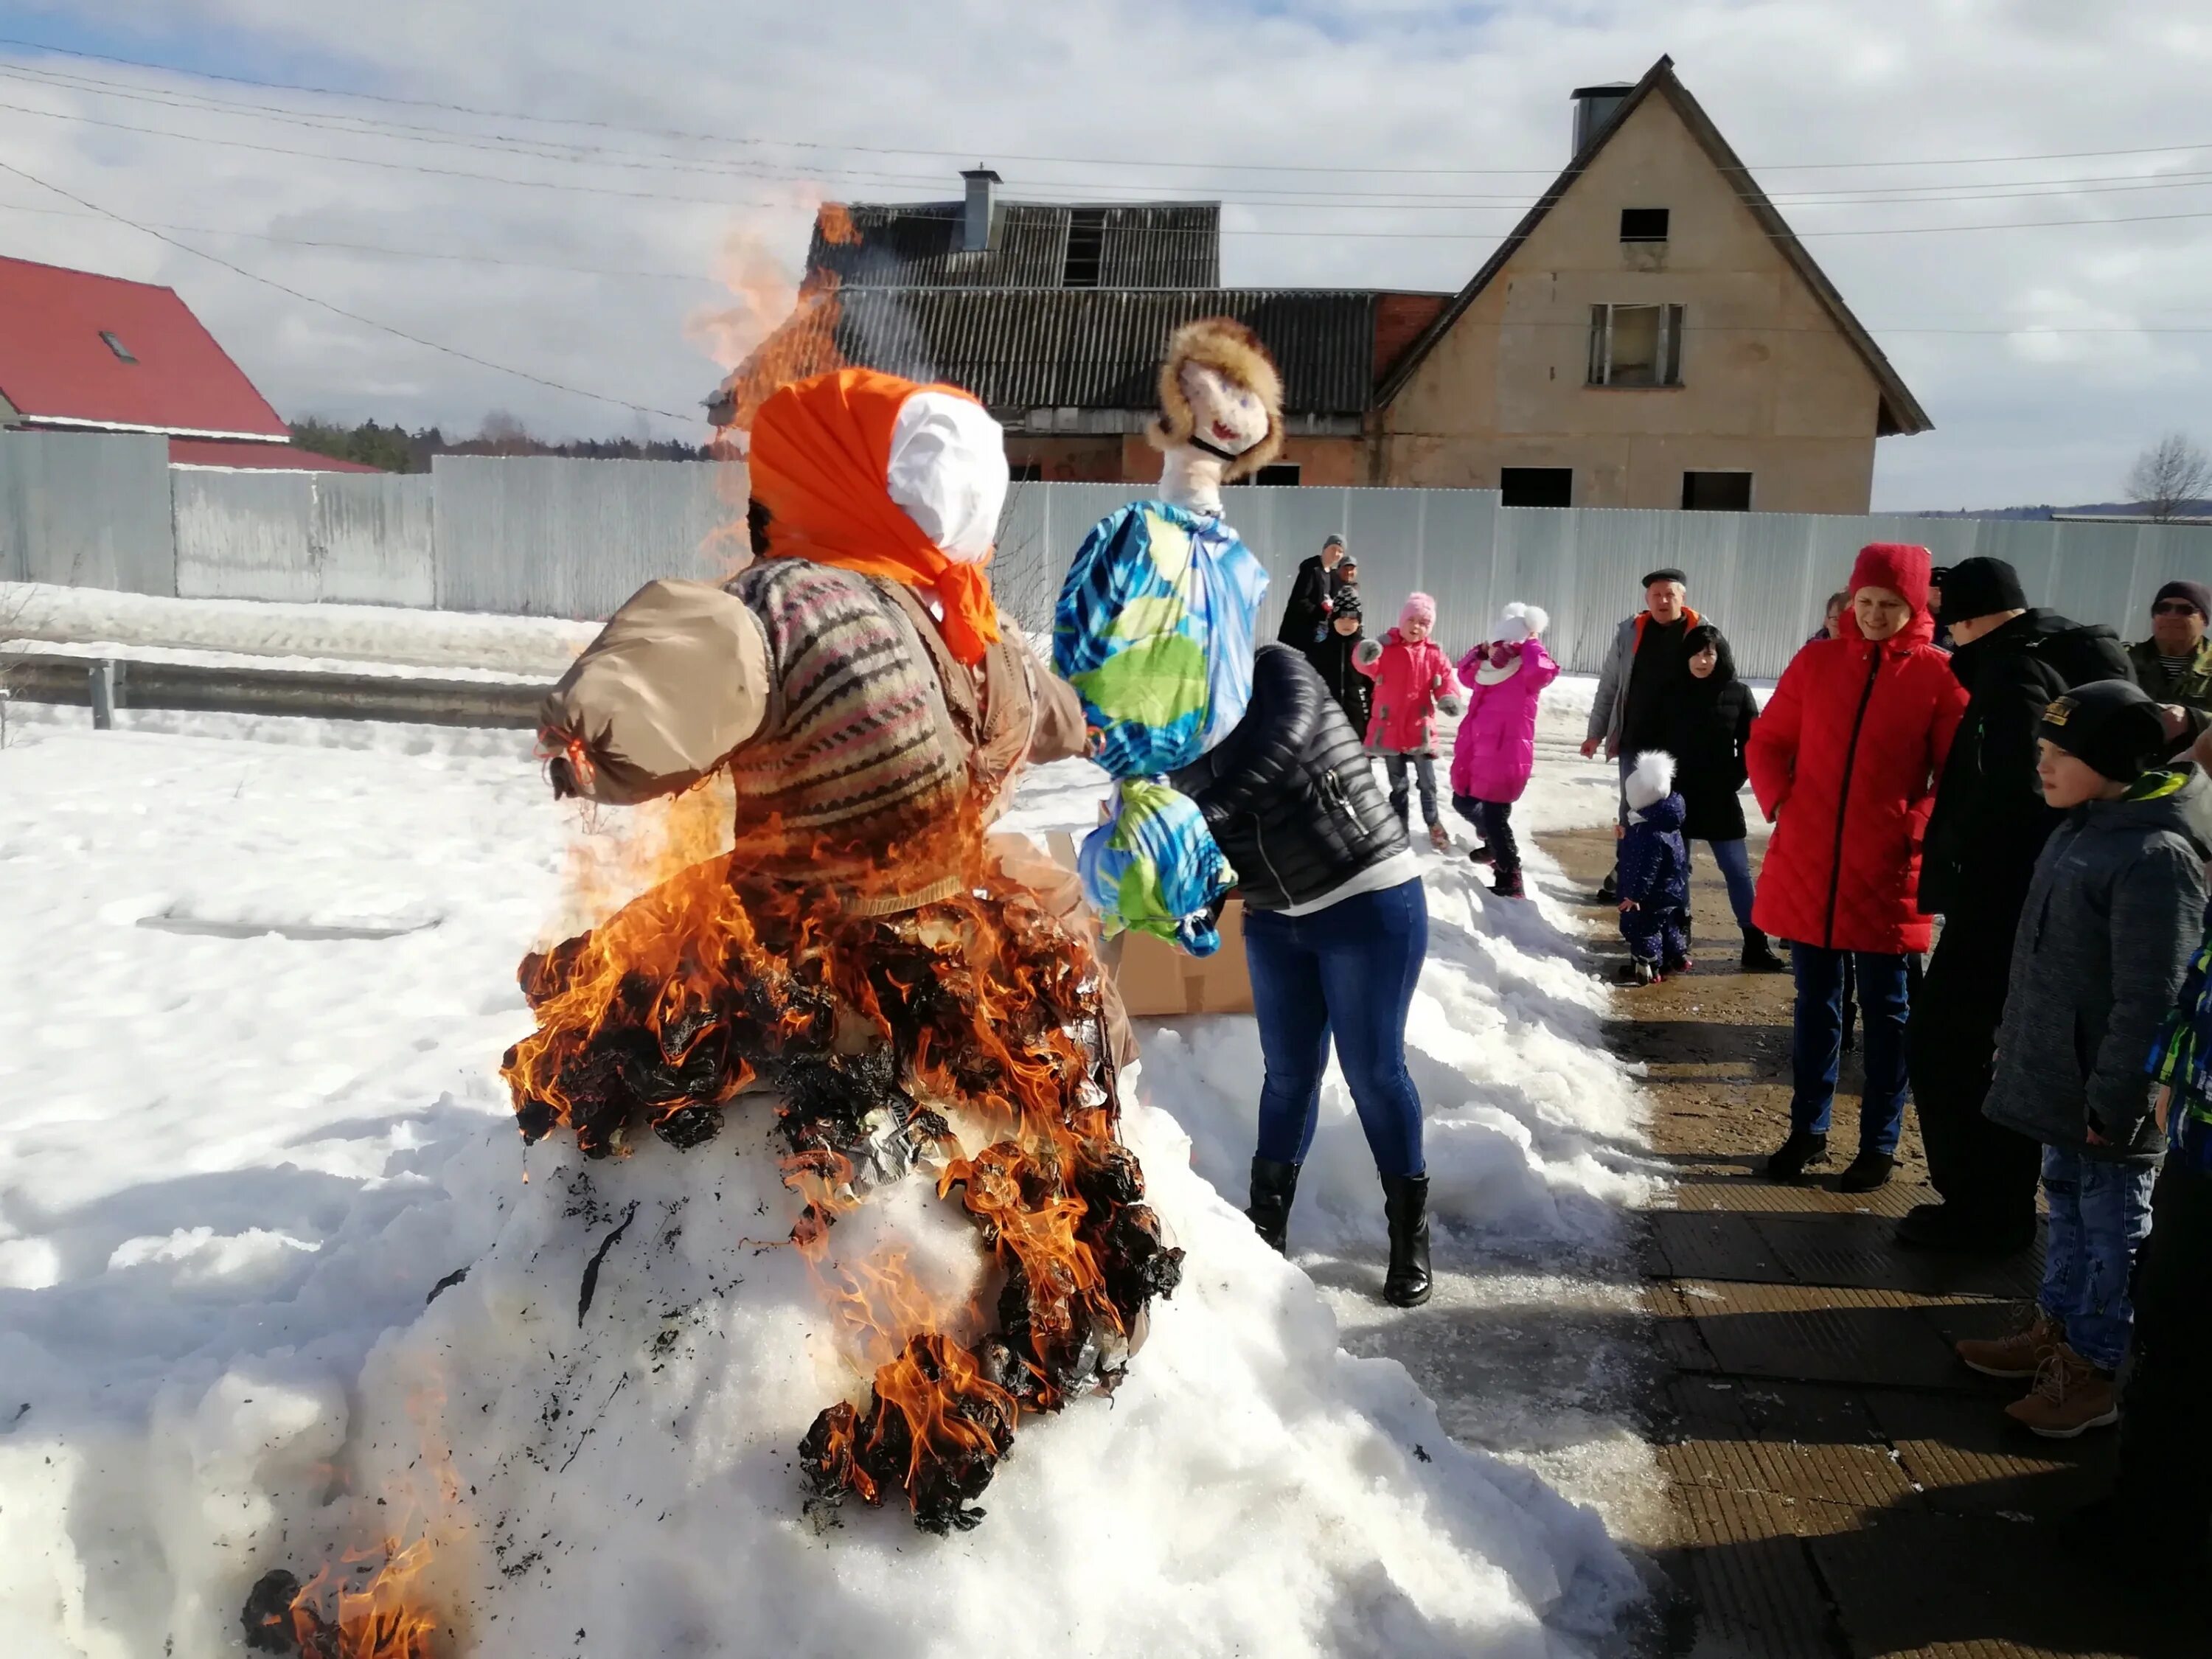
{"x": 116, "y": 345}
{"x": 1643, "y": 224}
{"x": 1086, "y": 247}
{"x": 1636, "y": 345}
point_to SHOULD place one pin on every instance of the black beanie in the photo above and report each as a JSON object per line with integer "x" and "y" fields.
{"x": 2110, "y": 724}
{"x": 2196, "y": 592}
{"x": 1981, "y": 587}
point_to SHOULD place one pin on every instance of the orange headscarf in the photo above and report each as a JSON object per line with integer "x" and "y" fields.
{"x": 820, "y": 455}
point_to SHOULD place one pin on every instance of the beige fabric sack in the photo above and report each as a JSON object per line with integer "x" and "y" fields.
{"x": 677, "y": 679}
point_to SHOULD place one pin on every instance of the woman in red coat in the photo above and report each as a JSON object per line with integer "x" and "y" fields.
{"x": 1845, "y": 760}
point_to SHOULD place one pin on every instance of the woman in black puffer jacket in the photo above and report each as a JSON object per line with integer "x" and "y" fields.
{"x": 1336, "y": 928}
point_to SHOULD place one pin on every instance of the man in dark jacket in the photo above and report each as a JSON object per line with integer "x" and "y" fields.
{"x": 1311, "y": 600}
{"x": 2174, "y": 664}
{"x": 1989, "y": 824}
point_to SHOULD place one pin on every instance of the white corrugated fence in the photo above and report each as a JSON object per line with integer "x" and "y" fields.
{"x": 548, "y": 537}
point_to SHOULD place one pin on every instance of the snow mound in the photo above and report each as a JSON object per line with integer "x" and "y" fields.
{"x": 236, "y": 1170}
{"x": 1250, "y": 1488}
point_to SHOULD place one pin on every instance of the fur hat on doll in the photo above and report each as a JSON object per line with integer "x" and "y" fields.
{"x": 1201, "y": 356}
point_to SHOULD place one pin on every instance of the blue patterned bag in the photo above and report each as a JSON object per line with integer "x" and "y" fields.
{"x": 1154, "y": 631}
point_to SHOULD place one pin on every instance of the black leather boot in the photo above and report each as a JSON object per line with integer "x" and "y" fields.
{"x": 1789, "y": 1162}
{"x": 1273, "y": 1186}
{"x": 1406, "y": 1205}
{"x": 1759, "y": 956}
{"x": 1866, "y": 1172}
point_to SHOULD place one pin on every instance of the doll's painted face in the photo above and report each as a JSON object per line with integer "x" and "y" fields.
{"x": 1229, "y": 416}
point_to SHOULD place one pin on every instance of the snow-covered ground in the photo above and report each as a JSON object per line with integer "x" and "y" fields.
{"x": 236, "y": 1161}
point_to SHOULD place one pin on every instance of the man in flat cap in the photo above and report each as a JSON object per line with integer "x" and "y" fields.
{"x": 1629, "y": 714}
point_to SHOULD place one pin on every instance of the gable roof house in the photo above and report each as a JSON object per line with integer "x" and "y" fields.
{"x": 81, "y": 352}
{"x": 1651, "y": 334}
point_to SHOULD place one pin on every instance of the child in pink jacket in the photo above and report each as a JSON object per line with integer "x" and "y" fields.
{"x": 1412, "y": 682}
{"x": 1496, "y": 750}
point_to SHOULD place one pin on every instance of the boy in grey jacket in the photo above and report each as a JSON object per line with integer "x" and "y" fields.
{"x": 2111, "y": 921}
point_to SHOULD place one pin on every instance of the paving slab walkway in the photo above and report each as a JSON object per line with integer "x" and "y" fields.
{"x": 1838, "y": 1484}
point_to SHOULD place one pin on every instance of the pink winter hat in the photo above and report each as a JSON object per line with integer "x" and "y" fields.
{"x": 1418, "y": 608}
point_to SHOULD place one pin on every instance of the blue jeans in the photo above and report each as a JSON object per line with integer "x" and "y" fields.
{"x": 2099, "y": 1214}
{"x": 1494, "y": 820}
{"x": 1424, "y": 776}
{"x": 1348, "y": 973}
{"x": 1734, "y": 858}
{"x": 1816, "y": 1042}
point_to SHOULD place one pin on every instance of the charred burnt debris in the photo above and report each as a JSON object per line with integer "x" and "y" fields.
{"x": 860, "y": 1029}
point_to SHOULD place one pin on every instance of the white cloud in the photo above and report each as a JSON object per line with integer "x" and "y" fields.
{"x": 1384, "y": 84}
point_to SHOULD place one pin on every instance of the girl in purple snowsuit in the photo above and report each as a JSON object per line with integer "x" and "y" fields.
{"x": 1496, "y": 748}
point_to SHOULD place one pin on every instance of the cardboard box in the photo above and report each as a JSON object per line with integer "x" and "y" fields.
{"x": 1156, "y": 981}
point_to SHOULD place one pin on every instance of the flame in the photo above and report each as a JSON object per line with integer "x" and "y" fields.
{"x": 616, "y": 853}
{"x": 374, "y": 1601}
{"x": 381, "y": 1617}
{"x": 874, "y": 1031}
{"x": 777, "y": 331}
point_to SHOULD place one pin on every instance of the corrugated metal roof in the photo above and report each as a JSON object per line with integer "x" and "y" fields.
{"x": 80, "y": 349}
{"x": 1018, "y": 349}
{"x": 910, "y": 245}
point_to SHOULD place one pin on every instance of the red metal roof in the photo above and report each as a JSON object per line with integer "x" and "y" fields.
{"x": 56, "y": 367}
{"x": 217, "y": 451}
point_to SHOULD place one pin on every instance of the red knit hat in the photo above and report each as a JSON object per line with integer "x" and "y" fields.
{"x": 1898, "y": 566}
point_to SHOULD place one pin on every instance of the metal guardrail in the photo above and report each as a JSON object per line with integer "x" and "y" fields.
{"x": 105, "y": 684}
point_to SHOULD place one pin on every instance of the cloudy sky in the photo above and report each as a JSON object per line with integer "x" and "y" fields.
{"x": 2014, "y": 195}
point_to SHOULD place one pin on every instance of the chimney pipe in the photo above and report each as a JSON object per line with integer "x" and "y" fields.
{"x": 982, "y": 209}
{"x": 1593, "y": 107}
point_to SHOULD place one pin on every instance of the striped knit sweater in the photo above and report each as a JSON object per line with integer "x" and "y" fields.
{"x": 857, "y": 750}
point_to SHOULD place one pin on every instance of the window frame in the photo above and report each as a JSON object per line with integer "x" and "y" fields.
{"x": 1503, "y": 492}
{"x": 1083, "y": 260}
{"x": 1667, "y": 368}
{"x": 1745, "y": 473}
{"x": 1665, "y": 224}
{"x": 113, "y": 342}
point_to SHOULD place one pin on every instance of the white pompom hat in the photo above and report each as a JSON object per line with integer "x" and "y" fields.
{"x": 1519, "y": 622}
{"x": 1651, "y": 779}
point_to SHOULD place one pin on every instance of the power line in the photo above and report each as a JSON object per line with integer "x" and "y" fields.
{"x": 1162, "y": 231}
{"x": 378, "y": 248}
{"x": 1229, "y": 230}
{"x": 385, "y": 250}
{"x": 340, "y": 311}
{"x": 1077, "y": 161}
{"x": 393, "y": 167}
{"x": 1304, "y": 197}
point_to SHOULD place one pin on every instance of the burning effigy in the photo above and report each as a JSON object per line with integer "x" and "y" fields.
{"x": 839, "y": 1194}
{"x": 861, "y": 965}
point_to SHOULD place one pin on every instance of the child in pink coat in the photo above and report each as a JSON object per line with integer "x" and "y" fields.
{"x": 1496, "y": 750}
{"x": 1412, "y": 682}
